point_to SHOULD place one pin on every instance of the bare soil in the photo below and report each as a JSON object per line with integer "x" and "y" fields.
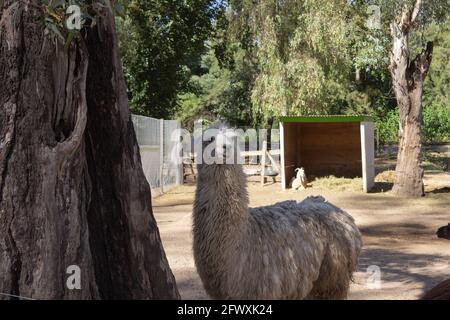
{"x": 399, "y": 234}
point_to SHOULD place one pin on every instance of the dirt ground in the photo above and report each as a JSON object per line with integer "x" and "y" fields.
{"x": 399, "y": 234}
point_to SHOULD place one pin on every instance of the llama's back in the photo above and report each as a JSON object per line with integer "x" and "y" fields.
{"x": 296, "y": 250}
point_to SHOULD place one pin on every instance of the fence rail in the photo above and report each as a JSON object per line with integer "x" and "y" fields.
{"x": 155, "y": 143}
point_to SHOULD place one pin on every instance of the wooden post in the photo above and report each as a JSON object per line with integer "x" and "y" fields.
{"x": 367, "y": 155}
{"x": 161, "y": 155}
{"x": 378, "y": 141}
{"x": 282, "y": 160}
{"x": 263, "y": 163}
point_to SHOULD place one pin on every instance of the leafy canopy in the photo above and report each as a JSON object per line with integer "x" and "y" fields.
{"x": 161, "y": 44}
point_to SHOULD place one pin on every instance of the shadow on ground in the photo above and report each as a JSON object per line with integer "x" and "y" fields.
{"x": 395, "y": 229}
{"x": 381, "y": 187}
{"x": 407, "y": 270}
{"x": 441, "y": 190}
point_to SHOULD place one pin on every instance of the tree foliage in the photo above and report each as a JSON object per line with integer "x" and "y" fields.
{"x": 223, "y": 92}
{"x": 301, "y": 49}
{"x": 258, "y": 60}
{"x": 161, "y": 44}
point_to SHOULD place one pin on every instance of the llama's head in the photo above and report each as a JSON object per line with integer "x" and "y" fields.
{"x": 444, "y": 232}
{"x": 220, "y": 152}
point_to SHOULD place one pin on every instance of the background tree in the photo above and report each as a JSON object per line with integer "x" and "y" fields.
{"x": 306, "y": 51}
{"x": 223, "y": 92}
{"x": 72, "y": 189}
{"x": 161, "y": 44}
{"x": 370, "y": 51}
{"x": 301, "y": 52}
{"x": 260, "y": 60}
{"x": 335, "y": 64}
{"x": 436, "y": 98}
{"x": 408, "y": 76}
{"x": 222, "y": 88}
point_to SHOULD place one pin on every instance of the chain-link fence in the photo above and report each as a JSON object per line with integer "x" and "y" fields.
{"x": 154, "y": 137}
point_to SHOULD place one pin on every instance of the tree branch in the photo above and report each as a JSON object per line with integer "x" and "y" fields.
{"x": 416, "y": 11}
{"x": 419, "y": 67}
{"x": 409, "y": 17}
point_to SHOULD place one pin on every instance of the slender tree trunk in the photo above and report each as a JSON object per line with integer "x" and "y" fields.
{"x": 408, "y": 78}
{"x": 72, "y": 189}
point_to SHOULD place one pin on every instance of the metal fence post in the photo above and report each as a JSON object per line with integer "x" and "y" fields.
{"x": 180, "y": 174}
{"x": 157, "y": 150}
{"x": 161, "y": 154}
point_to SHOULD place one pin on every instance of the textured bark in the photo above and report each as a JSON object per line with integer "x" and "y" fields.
{"x": 408, "y": 78}
{"x": 72, "y": 189}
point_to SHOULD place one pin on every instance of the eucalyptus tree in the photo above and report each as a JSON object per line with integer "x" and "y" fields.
{"x": 301, "y": 51}
{"x": 409, "y": 70}
{"x": 73, "y": 196}
{"x": 307, "y": 51}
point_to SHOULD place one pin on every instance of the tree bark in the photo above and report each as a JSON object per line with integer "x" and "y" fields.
{"x": 72, "y": 189}
{"x": 408, "y": 79}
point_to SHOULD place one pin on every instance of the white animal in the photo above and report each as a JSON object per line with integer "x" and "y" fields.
{"x": 300, "y": 181}
{"x": 288, "y": 250}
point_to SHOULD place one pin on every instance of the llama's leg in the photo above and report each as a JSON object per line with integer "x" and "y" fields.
{"x": 329, "y": 291}
{"x": 334, "y": 279}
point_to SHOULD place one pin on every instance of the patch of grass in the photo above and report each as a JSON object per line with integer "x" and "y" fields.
{"x": 384, "y": 181}
{"x": 333, "y": 183}
{"x": 387, "y": 176}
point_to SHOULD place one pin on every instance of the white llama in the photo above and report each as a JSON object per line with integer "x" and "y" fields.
{"x": 288, "y": 250}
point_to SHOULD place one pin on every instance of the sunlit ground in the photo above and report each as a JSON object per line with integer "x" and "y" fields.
{"x": 399, "y": 234}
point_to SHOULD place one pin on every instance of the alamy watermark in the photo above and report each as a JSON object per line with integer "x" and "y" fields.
{"x": 373, "y": 280}
{"x": 219, "y": 145}
{"x": 74, "y": 21}
{"x": 73, "y": 281}
{"x": 374, "y": 19}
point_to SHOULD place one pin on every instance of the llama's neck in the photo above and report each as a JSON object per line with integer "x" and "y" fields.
{"x": 221, "y": 203}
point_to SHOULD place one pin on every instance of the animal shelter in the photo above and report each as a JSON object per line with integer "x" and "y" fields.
{"x": 342, "y": 146}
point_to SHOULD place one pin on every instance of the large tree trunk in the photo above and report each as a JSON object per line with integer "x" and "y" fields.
{"x": 72, "y": 189}
{"x": 408, "y": 78}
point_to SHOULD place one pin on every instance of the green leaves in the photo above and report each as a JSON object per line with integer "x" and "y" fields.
{"x": 120, "y": 9}
{"x": 436, "y": 124}
{"x": 260, "y": 59}
{"x": 57, "y": 16}
{"x": 162, "y": 42}
{"x": 55, "y": 30}
{"x": 303, "y": 56}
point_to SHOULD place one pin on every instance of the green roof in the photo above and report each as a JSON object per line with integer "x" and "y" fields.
{"x": 328, "y": 118}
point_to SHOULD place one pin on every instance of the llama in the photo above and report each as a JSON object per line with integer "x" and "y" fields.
{"x": 288, "y": 250}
